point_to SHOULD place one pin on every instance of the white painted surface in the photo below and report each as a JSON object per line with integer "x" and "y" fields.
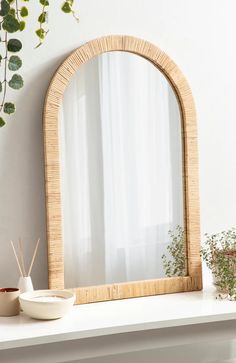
{"x": 192, "y": 343}
{"x": 123, "y": 316}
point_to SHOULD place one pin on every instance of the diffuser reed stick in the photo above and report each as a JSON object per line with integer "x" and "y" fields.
{"x": 33, "y": 258}
{"x": 20, "y": 259}
{"x": 17, "y": 261}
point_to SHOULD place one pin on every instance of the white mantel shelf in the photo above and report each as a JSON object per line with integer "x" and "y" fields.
{"x": 115, "y": 317}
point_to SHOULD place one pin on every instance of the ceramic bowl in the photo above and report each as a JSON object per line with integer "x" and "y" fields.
{"x": 46, "y": 304}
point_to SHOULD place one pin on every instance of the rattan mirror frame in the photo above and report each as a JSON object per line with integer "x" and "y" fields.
{"x": 193, "y": 280}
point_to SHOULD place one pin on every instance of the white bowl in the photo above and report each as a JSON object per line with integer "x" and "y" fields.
{"x": 46, "y": 304}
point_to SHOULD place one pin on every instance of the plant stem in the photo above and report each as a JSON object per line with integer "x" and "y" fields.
{"x": 5, "y": 74}
{"x": 17, "y": 11}
{"x": 41, "y": 27}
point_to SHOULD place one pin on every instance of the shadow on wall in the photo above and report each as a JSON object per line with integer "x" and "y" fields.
{"x": 22, "y": 197}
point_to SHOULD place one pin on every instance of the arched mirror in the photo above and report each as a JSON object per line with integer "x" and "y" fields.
{"x": 121, "y": 173}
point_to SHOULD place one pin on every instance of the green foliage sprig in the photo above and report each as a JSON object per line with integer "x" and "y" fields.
{"x": 13, "y": 14}
{"x": 219, "y": 252}
{"x": 41, "y": 32}
{"x": 67, "y": 8}
{"x": 177, "y": 264}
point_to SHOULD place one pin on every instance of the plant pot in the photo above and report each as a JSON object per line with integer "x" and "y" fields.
{"x": 231, "y": 255}
{"x": 216, "y": 284}
{"x": 9, "y": 302}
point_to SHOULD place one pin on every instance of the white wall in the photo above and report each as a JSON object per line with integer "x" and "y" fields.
{"x": 198, "y": 35}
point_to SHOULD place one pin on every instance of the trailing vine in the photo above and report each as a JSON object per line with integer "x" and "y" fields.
{"x": 42, "y": 19}
{"x": 13, "y": 15}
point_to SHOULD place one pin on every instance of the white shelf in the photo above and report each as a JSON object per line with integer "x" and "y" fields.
{"x": 121, "y": 316}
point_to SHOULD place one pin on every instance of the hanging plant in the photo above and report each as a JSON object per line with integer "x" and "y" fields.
{"x": 13, "y": 15}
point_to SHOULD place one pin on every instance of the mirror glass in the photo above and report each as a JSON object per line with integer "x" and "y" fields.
{"x": 121, "y": 153}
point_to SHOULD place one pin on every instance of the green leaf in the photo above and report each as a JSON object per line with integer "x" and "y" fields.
{"x": 24, "y": 11}
{"x": 9, "y": 108}
{"x": 14, "y": 45}
{"x": 14, "y": 63}
{"x": 16, "y": 82}
{"x": 2, "y": 122}
{"x": 5, "y": 7}
{"x": 41, "y": 33}
{"x": 0, "y": 86}
{"x": 12, "y": 11}
{"x": 22, "y": 25}
{"x": 44, "y": 2}
{"x": 10, "y": 24}
{"x": 42, "y": 17}
{"x": 66, "y": 7}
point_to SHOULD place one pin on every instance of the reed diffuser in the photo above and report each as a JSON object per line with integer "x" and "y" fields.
{"x": 25, "y": 281}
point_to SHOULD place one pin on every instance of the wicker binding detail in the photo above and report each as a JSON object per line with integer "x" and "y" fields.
{"x": 193, "y": 281}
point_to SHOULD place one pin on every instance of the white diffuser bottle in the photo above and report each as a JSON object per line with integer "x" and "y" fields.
{"x": 25, "y": 284}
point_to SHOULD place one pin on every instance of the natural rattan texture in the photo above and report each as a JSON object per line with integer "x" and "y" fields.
{"x": 193, "y": 280}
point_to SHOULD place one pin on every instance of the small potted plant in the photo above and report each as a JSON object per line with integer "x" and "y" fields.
{"x": 219, "y": 253}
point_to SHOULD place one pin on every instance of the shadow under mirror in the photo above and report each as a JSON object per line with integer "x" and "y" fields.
{"x": 122, "y": 190}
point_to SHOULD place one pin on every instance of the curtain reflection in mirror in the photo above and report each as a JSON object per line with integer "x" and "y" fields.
{"x": 121, "y": 153}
